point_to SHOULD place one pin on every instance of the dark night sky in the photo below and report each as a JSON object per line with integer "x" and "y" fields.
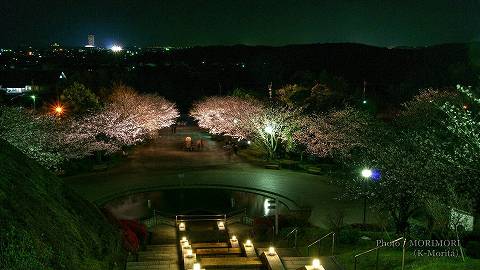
{"x": 266, "y": 22}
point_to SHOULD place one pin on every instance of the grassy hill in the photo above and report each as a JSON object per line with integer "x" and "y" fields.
{"x": 45, "y": 225}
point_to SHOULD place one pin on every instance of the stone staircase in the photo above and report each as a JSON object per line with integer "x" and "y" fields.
{"x": 158, "y": 257}
{"x": 293, "y": 263}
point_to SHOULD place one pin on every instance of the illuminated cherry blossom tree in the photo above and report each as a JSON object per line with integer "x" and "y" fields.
{"x": 334, "y": 133}
{"x": 129, "y": 117}
{"x": 231, "y": 116}
{"x": 34, "y": 135}
{"x": 247, "y": 119}
{"x": 126, "y": 119}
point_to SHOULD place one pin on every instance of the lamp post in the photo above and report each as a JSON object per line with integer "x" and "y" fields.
{"x": 270, "y": 139}
{"x": 366, "y": 174}
{"x": 33, "y": 98}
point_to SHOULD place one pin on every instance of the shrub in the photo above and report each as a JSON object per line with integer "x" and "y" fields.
{"x": 473, "y": 249}
{"x": 349, "y": 236}
{"x": 139, "y": 229}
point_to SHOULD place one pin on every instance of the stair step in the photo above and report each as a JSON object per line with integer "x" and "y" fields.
{"x": 153, "y": 267}
{"x": 153, "y": 262}
{"x": 293, "y": 263}
{"x": 162, "y": 248}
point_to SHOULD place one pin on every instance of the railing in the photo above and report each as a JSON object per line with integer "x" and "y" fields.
{"x": 378, "y": 251}
{"x": 319, "y": 241}
{"x": 183, "y": 218}
{"x": 157, "y": 217}
{"x": 289, "y": 235}
{"x": 236, "y": 216}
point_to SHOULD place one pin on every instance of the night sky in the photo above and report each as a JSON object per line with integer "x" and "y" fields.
{"x": 251, "y": 22}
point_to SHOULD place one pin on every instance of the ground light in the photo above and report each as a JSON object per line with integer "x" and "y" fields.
{"x": 234, "y": 238}
{"x": 196, "y": 266}
{"x": 271, "y": 251}
{"x": 181, "y": 226}
{"x": 316, "y": 264}
{"x": 189, "y": 253}
{"x": 248, "y": 243}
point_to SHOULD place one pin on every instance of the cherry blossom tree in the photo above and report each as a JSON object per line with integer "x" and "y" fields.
{"x": 247, "y": 119}
{"x": 33, "y": 135}
{"x": 230, "y": 116}
{"x": 332, "y": 133}
{"x": 126, "y": 119}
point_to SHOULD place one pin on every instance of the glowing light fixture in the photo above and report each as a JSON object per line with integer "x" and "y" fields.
{"x": 271, "y": 251}
{"x": 184, "y": 239}
{"x": 189, "y": 253}
{"x": 181, "y": 226}
{"x": 269, "y": 129}
{"x": 316, "y": 264}
{"x": 248, "y": 243}
{"x": 57, "y": 109}
{"x": 249, "y": 142}
{"x": 366, "y": 173}
{"x": 234, "y": 238}
{"x": 196, "y": 266}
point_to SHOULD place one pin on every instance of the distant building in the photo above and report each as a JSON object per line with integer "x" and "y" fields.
{"x": 16, "y": 90}
{"x": 91, "y": 41}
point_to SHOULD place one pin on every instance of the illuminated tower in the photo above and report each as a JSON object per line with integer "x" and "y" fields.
{"x": 91, "y": 41}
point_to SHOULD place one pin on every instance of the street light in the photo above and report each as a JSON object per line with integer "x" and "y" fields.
{"x": 33, "y": 98}
{"x": 58, "y": 109}
{"x": 269, "y": 129}
{"x": 366, "y": 173}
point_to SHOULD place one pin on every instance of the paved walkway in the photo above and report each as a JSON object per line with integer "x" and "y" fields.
{"x": 164, "y": 163}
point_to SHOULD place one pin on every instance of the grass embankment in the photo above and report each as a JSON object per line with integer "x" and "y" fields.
{"x": 349, "y": 243}
{"x": 45, "y": 225}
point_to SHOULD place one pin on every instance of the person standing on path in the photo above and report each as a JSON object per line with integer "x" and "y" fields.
{"x": 174, "y": 128}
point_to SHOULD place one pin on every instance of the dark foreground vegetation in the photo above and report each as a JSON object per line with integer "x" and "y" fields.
{"x": 45, "y": 225}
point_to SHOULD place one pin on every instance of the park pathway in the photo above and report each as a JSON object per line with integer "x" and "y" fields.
{"x": 163, "y": 164}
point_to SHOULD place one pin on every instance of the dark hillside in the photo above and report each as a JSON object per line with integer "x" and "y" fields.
{"x": 45, "y": 225}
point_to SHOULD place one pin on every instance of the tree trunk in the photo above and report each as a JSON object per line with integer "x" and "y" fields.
{"x": 401, "y": 219}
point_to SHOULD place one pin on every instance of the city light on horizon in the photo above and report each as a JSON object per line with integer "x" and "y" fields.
{"x": 116, "y": 48}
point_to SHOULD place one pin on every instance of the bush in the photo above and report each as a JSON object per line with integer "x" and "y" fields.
{"x": 139, "y": 229}
{"x": 349, "y": 236}
{"x": 130, "y": 241}
{"x": 473, "y": 249}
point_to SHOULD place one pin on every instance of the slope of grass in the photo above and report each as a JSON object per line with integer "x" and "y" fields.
{"x": 45, "y": 225}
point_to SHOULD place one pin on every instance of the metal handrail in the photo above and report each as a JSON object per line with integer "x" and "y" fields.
{"x": 236, "y": 212}
{"x": 378, "y": 249}
{"x": 319, "y": 243}
{"x": 295, "y": 233}
{"x": 182, "y": 218}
